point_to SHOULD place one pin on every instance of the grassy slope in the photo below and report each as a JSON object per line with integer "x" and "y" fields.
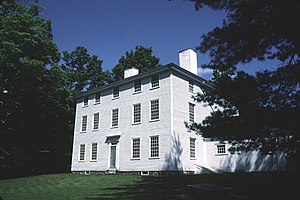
{"x": 71, "y": 186}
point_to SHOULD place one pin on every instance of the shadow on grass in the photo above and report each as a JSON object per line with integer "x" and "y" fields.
{"x": 249, "y": 185}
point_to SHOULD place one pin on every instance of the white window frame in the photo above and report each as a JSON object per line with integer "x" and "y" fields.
{"x": 116, "y": 92}
{"x": 191, "y": 86}
{"x": 95, "y": 129}
{"x": 193, "y": 149}
{"x": 133, "y": 114}
{"x": 86, "y": 124}
{"x": 150, "y": 147}
{"x": 192, "y": 120}
{"x": 154, "y": 83}
{"x": 218, "y": 150}
{"x": 139, "y": 149}
{"x": 140, "y": 86}
{"x": 118, "y": 118}
{"x": 97, "y": 100}
{"x": 84, "y": 150}
{"x": 84, "y": 102}
{"x": 91, "y": 159}
{"x": 150, "y": 110}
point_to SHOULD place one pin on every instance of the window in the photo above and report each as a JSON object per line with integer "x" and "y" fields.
{"x": 192, "y": 148}
{"x": 221, "y": 149}
{"x": 115, "y": 118}
{"x": 137, "y": 86}
{"x": 81, "y": 152}
{"x": 191, "y": 112}
{"x": 96, "y": 121}
{"x": 136, "y": 142}
{"x": 116, "y": 93}
{"x": 154, "y": 147}
{"x": 191, "y": 86}
{"x": 84, "y": 123}
{"x": 97, "y": 97}
{"x": 154, "y": 109}
{"x": 85, "y": 101}
{"x": 94, "y": 151}
{"x": 136, "y": 113}
{"x": 155, "y": 81}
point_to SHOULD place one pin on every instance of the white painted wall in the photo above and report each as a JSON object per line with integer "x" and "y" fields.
{"x": 126, "y": 129}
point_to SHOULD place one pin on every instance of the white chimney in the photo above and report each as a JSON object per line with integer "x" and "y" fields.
{"x": 130, "y": 72}
{"x": 188, "y": 60}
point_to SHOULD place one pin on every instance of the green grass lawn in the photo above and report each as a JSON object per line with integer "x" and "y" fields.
{"x": 75, "y": 186}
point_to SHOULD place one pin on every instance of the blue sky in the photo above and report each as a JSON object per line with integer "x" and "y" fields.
{"x": 110, "y": 28}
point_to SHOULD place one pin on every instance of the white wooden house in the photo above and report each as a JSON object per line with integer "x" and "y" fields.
{"x": 137, "y": 125}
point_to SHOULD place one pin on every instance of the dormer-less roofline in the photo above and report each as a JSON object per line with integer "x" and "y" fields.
{"x": 170, "y": 66}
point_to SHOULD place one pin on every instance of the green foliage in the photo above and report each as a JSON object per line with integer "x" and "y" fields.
{"x": 35, "y": 104}
{"x": 141, "y": 59}
{"x": 84, "y": 70}
{"x": 257, "y": 109}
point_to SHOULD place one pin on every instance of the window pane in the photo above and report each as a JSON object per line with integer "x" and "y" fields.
{"x": 154, "y": 109}
{"x": 137, "y": 86}
{"x": 136, "y": 148}
{"x": 85, "y": 101}
{"x": 136, "y": 113}
{"x": 115, "y": 117}
{"x": 115, "y": 92}
{"x": 191, "y": 112}
{"x": 96, "y": 121}
{"x": 221, "y": 149}
{"x": 191, "y": 86}
{"x": 84, "y": 123}
{"x": 155, "y": 81}
{"x": 82, "y": 152}
{"x": 94, "y": 151}
{"x": 192, "y": 148}
{"x": 97, "y": 97}
{"x": 154, "y": 146}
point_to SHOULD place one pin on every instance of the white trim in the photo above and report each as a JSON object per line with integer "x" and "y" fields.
{"x": 132, "y": 116}
{"x": 81, "y": 123}
{"x": 153, "y": 120}
{"x": 151, "y": 88}
{"x": 91, "y": 152}
{"x": 195, "y": 148}
{"x": 111, "y": 118}
{"x": 95, "y": 102}
{"x": 84, "y": 156}
{"x": 219, "y": 154}
{"x": 94, "y": 121}
{"x": 83, "y": 98}
{"x": 150, "y": 147}
{"x": 117, "y": 97}
{"x": 132, "y": 158}
{"x": 137, "y": 92}
{"x": 193, "y": 110}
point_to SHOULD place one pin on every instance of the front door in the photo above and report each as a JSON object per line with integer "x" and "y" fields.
{"x": 113, "y": 152}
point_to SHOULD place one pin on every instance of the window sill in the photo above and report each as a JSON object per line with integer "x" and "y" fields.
{"x": 154, "y": 120}
{"x": 137, "y": 123}
{"x": 221, "y": 154}
{"x": 153, "y": 88}
{"x": 115, "y": 98}
{"x": 85, "y": 106}
{"x": 193, "y": 158}
{"x": 97, "y": 103}
{"x": 113, "y": 127}
{"x": 83, "y": 132}
{"x": 137, "y": 92}
{"x": 95, "y": 130}
{"x": 153, "y": 158}
{"x": 135, "y": 159}
{"x": 93, "y": 161}
{"x": 81, "y": 161}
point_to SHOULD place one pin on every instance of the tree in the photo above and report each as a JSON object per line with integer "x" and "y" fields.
{"x": 35, "y": 124}
{"x": 259, "y": 109}
{"x": 84, "y": 70}
{"x": 141, "y": 58}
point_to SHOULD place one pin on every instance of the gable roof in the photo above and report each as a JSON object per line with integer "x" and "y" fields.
{"x": 170, "y": 66}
